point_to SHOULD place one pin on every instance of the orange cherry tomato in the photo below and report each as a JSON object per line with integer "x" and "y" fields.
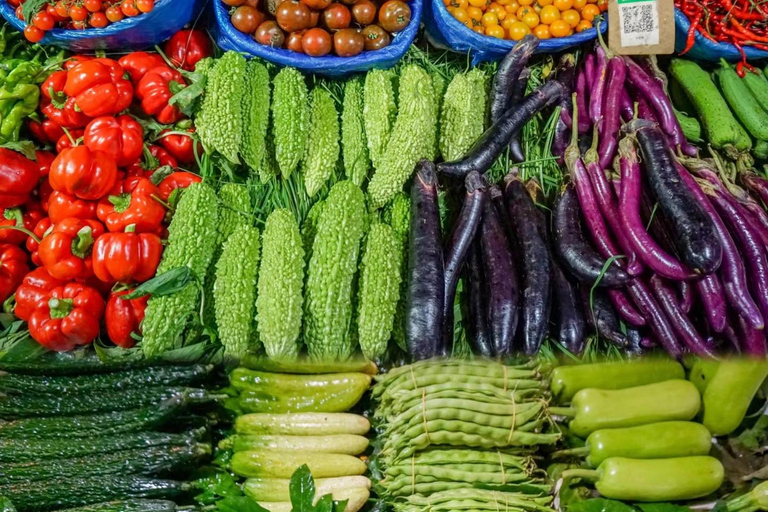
{"x": 549, "y": 14}
{"x": 129, "y": 8}
{"x": 563, "y": 5}
{"x": 589, "y": 11}
{"x": 583, "y": 25}
{"x": 495, "y": 31}
{"x": 512, "y": 7}
{"x": 571, "y": 17}
{"x": 559, "y": 28}
{"x": 474, "y": 13}
{"x": 508, "y": 22}
{"x": 460, "y": 14}
{"x": 33, "y": 34}
{"x": 114, "y": 13}
{"x": 531, "y": 19}
{"x": 518, "y": 31}
{"x": 542, "y": 32}
{"x": 489, "y": 18}
{"x": 603, "y": 5}
{"x": 98, "y": 20}
{"x": 579, "y": 4}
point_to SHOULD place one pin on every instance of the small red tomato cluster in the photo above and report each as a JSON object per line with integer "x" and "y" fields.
{"x": 317, "y": 27}
{"x": 82, "y": 225}
{"x": 79, "y": 14}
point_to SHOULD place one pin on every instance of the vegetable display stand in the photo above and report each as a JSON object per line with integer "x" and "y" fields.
{"x": 229, "y": 38}
{"x": 137, "y": 33}
{"x": 704, "y": 49}
{"x": 445, "y": 31}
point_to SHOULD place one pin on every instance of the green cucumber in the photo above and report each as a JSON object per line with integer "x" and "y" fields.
{"x": 138, "y": 505}
{"x": 342, "y": 443}
{"x": 277, "y": 489}
{"x": 77, "y": 362}
{"x": 761, "y": 150}
{"x": 282, "y": 464}
{"x": 74, "y": 492}
{"x": 129, "y": 379}
{"x": 304, "y": 365}
{"x": 742, "y": 102}
{"x": 690, "y": 126}
{"x": 758, "y": 86}
{"x": 152, "y": 461}
{"x": 302, "y": 424}
{"x": 26, "y": 450}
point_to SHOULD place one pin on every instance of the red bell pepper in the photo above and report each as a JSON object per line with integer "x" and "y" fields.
{"x": 67, "y": 141}
{"x": 57, "y": 107}
{"x": 33, "y": 292}
{"x": 126, "y": 257}
{"x": 25, "y": 217}
{"x": 138, "y": 63}
{"x": 132, "y": 202}
{"x": 179, "y": 144}
{"x": 154, "y": 158}
{"x": 13, "y": 268}
{"x": 71, "y": 317}
{"x": 155, "y": 90}
{"x": 84, "y": 173}
{"x": 99, "y": 87}
{"x": 187, "y": 47}
{"x": 33, "y": 246}
{"x": 64, "y": 206}
{"x": 123, "y": 318}
{"x": 75, "y": 60}
{"x": 178, "y": 179}
{"x": 44, "y": 192}
{"x": 44, "y": 160}
{"x": 66, "y": 251}
{"x": 45, "y": 132}
{"x": 120, "y": 137}
{"x": 18, "y": 177}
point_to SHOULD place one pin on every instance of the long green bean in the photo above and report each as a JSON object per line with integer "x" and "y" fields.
{"x": 406, "y": 467}
{"x": 509, "y": 409}
{"x": 530, "y": 422}
{"x": 485, "y": 495}
{"x": 461, "y": 382}
{"x": 459, "y": 373}
{"x": 480, "y": 440}
{"x": 394, "y": 408}
{"x": 487, "y": 366}
{"x": 499, "y": 506}
{"x": 453, "y": 456}
{"x": 518, "y": 395}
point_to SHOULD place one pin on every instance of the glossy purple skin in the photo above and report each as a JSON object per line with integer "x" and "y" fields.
{"x": 625, "y": 308}
{"x": 678, "y": 319}
{"x": 597, "y": 89}
{"x": 611, "y": 120}
{"x": 658, "y": 322}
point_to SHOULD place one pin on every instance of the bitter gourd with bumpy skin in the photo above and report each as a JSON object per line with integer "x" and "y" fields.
{"x": 234, "y": 291}
{"x": 202, "y": 118}
{"x": 461, "y": 121}
{"x": 281, "y": 280}
{"x": 328, "y": 308}
{"x": 255, "y": 114}
{"x": 191, "y": 243}
{"x": 379, "y": 111}
{"x": 439, "y": 84}
{"x": 290, "y": 119}
{"x": 269, "y": 168}
{"x": 412, "y": 138}
{"x": 322, "y": 150}
{"x": 353, "y": 144}
{"x": 398, "y": 215}
{"x": 309, "y": 229}
{"x": 222, "y": 109}
{"x": 380, "y": 276}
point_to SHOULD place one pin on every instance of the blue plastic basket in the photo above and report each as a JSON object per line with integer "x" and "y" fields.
{"x": 137, "y": 33}
{"x": 229, "y": 38}
{"x": 704, "y": 49}
{"x": 447, "y": 32}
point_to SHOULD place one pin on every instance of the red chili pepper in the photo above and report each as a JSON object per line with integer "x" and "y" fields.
{"x": 63, "y": 206}
{"x": 691, "y": 39}
{"x": 18, "y": 178}
{"x": 155, "y": 157}
{"x": 99, "y": 87}
{"x": 84, "y": 173}
{"x": 25, "y": 217}
{"x": 178, "y": 179}
{"x": 133, "y": 202}
{"x": 57, "y": 106}
{"x": 138, "y": 63}
{"x": 181, "y": 146}
{"x": 187, "y": 47}
{"x": 33, "y": 244}
{"x": 123, "y": 318}
{"x": 126, "y": 257}
{"x": 69, "y": 318}
{"x": 66, "y": 250}
{"x": 13, "y": 268}
{"x": 33, "y": 292}
{"x": 155, "y": 90}
{"x": 120, "y": 137}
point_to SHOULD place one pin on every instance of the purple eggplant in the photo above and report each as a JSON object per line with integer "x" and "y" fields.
{"x": 679, "y": 321}
{"x": 581, "y": 100}
{"x": 597, "y": 89}
{"x": 626, "y": 106}
{"x": 625, "y": 308}
{"x": 757, "y": 184}
{"x": 611, "y": 121}
{"x": 752, "y": 340}
{"x": 507, "y": 74}
{"x": 589, "y": 71}
{"x": 657, "y": 320}
{"x": 569, "y": 311}
{"x": 518, "y": 92}
{"x": 479, "y": 338}
{"x": 458, "y": 243}
{"x": 634, "y": 342}
{"x": 685, "y": 296}
{"x": 426, "y": 269}
{"x": 602, "y": 317}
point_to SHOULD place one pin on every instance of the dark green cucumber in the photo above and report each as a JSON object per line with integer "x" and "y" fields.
{"x": 108, "y": 423}
{"x": 761, "y": 150}
{"x": 152, "y": 461}
{"x": 127, "y": 506}
{"x": 742, "y": 102}
{"x": 77, "y": 362}
{"x": 74, "y": 492}
{"x": 129, "y": 379}
{"x": 27, "y": 450}
{"x": 23, "y": 406}
{"x": 690, "y": 125}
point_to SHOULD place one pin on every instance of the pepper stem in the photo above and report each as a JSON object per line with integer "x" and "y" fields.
{"x": 568, "y": 412}
{"x": 83, "y": 242}
{"x": 130, "y": 228}
{"x": 60, "y": 308}
{"x": 23, "y": 230}
{"x": 121, "y": 202}
{"x": 582, "y": 451}
{"x": 585, "y": 474}
{"x": 15, "y": 215}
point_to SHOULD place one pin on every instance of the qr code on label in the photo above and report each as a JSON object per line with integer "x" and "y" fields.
{"x": 639, "y": 23}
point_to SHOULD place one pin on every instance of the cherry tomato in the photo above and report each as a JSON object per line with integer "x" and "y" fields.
{"x": 583, "y": 25}
{"x": 549, "y": 14}
{"x": 292, "y": 16}
{"x": 114, "y": 14}
{"x": 394, "y": 15}
{"x": 294, "y": 42}
{"x": 531, "y": 19}
{"x": 316, "y": 4}
{"x": 98, "y": 20}
{"x": 79, "y": 25}
{"x": 571, "y": 17}
{"x": 589, "y": 11}
{"x": 364, "y": 12}
{"x": 51, "y": 9}
{"x": 460, "y": 14}
{"x": 129, "y": 8}
{"x": 269, "y": 34}
{"x": 495, "y": 31}
{"x": 337, "y": 16}
{"x": 490, "y": 18}
{"x": 43, "y": 21}
{"x": 474, "y": 13}
{"x": 93, "y": 5}
{"x": 542, "y": 32}
{"x": 19, "y": 13}
{"x": 33, "y": 34}
{"x": 316, "y": 42}
{"x": 375, "y": 37}
{"x": 62, "y": 9}
{"x": 559, "y": 28}
{"x": 602, "y": 5}
{"x": 247, "y": 19}
{"x": 349, "y": 2}
{"x": 14, "y": 3}
{"x": 579, "y": 4}
{"x": 348, "y": 42}
{"x": 78, "y": 13}
{"x": 234, "y": 3}
{"x": 518, "y": 31}
{"x": 314, "y": 18}
{"x": 145, "y": 5}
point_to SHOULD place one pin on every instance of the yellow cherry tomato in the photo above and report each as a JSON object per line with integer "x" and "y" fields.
{"x": 571, "y": 17}
{"x": 512, "y": 7}
{"x": 603, "y": 5}
{"x": 518, "y": 31}
{"x": 536, "y": 8}
{"x": 589, "y": 12}
{"x": 490, "y": 18}
{"x": 460, "y": 14}
{"x": 543, "y": 3}
{"x": 478, "y": 3}
{"x": 522, "y": 11}
{"x": 479, "y": 29}
{"x": 549, "y": 14}
{"x": 495, "y": 31}
{"x": 559, "y": 28}
{"x": 474, "y": 13}
{"x": 525, "y": 2}
{"x": 497, "y": 8}
{"x": 583, "y": 25}
{"x": 460, "y": 3}
{"x": 542, "y": 32}
{"x": 563, "y": 5}
{"x": 508, "y": 22}
{"x": 579, "y": 4}
{"x": 531, "y": 19}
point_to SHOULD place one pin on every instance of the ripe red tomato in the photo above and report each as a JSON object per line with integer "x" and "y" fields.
{"x": 145, "y": 5}
{"x": 364, "y": 12}
{"x": 43, "y": 21}
{"x": 78, "y": 13}
{"x": 269, "y": 34}
{"x": 394, "y": 16}
{"x": 114, "y": 13}
{"x": 247, "y": 19}
{"x": 337, "y": 16}
{"x": 93, "y": 5}
{"x": 19, "y": 13}
{"x": 129, "y": 8}
{"x": 316, "y": 42}
{"x": 62, "y": 9}
{"x": 33, "y": 34}
{"x": 294, "y": 42}
{"x": 51, "y": 9}
{"x": 292, "y": 16}
{"x": 316, "y": 4}
{"x": 375, "y": 37}
{"x": 348, "y": 42}
{"x": 98, "y": 20}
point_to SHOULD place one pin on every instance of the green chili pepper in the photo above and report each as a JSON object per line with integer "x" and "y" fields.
{"x": 655, "y": 441}
{"x": 756, "y": 499}
{"x": 683, "y": 478}
{"x": 569, "y": 380}
{"x": 729, "y": 393}
{"x": 596, "y": 409}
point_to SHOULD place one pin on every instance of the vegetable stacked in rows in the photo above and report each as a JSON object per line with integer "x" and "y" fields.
{"x": 299, "y": 418}
{"x": 71, "y": 439}
{"x": 461, "y": 432}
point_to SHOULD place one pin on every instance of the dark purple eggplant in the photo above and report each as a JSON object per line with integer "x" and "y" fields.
{"x": 625, "y": 308}
{"x": 501, "y": 282}
{"x": 597, "y": 89}
{"x": 752, "y": 340}
{"x": 458, "y": 243}
{"x": 426, "y": 269}
{"x": 601, "y": 315}
{"x": 479, "y": 337}
{"x": 518, "y": 92}
{"x": 507, "y": 74}
{"x": 656, "y": 318}
{"x": 566, "y": 75}
{"x": 611, "y": 121}
{"x": 634, "y": 342}
{"x": 534, "y": 262}
{"x": 685, "y": 296}
{"x": 568, "y": 311}
{"x": 679, "y": 321}
{"x": 694, "y": 232}
{"x": 495, "y": 139}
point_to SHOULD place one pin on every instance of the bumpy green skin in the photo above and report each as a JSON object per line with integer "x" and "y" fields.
{"x": 379, "y": 111}
{"x": 439, "y": 84}
{"x": 202, "y": 117}
{"x": 281, "y": 280}
{"x": 379, "y": 289}
{"x": 255, "y": 114}
{"x": 268, "y": 168}
{"x": 353, "y": 143}
{"x": 222, "y": 110}
{"x": 235, "y": 289}
{"x": 328, "y": 308}
{"x": 309, "y": 228}
{"x": 191, "y": 242}
{"x": 398, "y": 215}
{"x": 457, "y": 126}
{"x": 290, "y": 118}
{"x": 322, "y": 150}
{"x": 412, "y": 138}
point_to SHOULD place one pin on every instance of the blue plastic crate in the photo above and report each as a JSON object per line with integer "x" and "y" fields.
{"x": 704, "y": 49}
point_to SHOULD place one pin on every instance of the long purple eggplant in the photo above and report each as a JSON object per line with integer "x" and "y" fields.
{"x": 495, "y": 139}
{"x": 507, "y": 74}
{"x": 589, "y": 71}
{"x": 535, "y": 263}
{"x": 458, "y": 243}
{"x": 656, "y": 318}
{"x": 581, "y": 100}
{"x": 694, "y": 232}
{"x": 625, "y": 308}
{"x": 712, "y": 298}
{"x": 685, "y": 298}
{"x": 757, "y": 184}
{"x": 611, "y": 121}
{"x": 626, "y": 106}
{"x": 602, "y": 316}
{"x": 597, "y": 90}
{"x": 752, "y": 340}
{"x": 501, "y": 281}
{"x": 518, "y": 92}
{"x": 479, "y": 337}
{"x": 756, "y": 210}
{"x": 680, "y": 322}
{"x": 426, "y": 270}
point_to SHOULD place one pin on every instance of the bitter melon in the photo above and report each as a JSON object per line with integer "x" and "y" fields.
{"x": 255, "y": 114}
{"x": 322, "y": 150}
{"x": 290, "y": 118}
{"x": 353, "y": 143}
{"x": 379, "y": 111}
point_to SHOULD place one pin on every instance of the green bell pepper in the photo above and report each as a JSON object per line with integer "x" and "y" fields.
{"x": 729, "y": 393}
